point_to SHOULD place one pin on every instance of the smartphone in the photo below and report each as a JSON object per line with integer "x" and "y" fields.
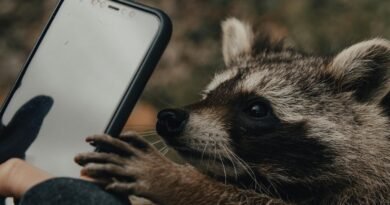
{"x": 93, "y": 60}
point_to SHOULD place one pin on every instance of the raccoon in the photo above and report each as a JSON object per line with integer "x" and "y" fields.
{"x": 275, "y": 127}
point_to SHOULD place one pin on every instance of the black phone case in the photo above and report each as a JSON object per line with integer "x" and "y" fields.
{"x": 141, "y": 77}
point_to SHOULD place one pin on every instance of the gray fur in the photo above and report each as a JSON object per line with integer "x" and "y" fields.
{"x": 324, "y": 138}
{"x": 325, "y": 95}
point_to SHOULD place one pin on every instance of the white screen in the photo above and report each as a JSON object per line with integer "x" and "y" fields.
{"x": 85, "y": 62}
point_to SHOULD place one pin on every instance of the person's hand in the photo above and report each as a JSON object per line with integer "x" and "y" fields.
{"x": 21, "y": 131}
{"x": 17, "y": 176}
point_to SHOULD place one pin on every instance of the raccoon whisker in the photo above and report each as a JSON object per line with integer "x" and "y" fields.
{"x": 214, "y": 158}
{"x": 148, "y": 132}
{"x": 231, "y": 160}
{"x": 243, "y": 129}
{"x": 243, "y": 164}
{"x": 163, "y": 148}
{"x": 165, "y": 152}
{"x": 223, "y": 166}
{"x": 156, "y": 142}
{"x": 148, "y": 135}
{"x": 248, "y": 170}
{"x": 208, "y": 164}
{"x": 148, "y": 126}
{"x": 205, "y": 147}
{"x": 215, "y": 153}
{"x": 274, "y": 188}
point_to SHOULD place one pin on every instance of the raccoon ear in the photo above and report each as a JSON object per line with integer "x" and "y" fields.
{"x": 364, "y": 68}
{"x": 238, "y": 38}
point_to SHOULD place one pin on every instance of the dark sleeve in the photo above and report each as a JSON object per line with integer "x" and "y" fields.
{"x": 67, "y": 191}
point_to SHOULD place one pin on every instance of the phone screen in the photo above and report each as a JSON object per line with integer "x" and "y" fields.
{"x": 85, "y": 63}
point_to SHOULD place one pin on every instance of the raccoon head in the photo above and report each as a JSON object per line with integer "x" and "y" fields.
{"x": 281, "y": 120}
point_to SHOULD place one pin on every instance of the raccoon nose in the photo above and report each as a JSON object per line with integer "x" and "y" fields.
{"x": 171, "y": 122}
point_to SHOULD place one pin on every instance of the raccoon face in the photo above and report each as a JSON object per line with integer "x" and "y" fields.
{"x": 278, "y": 117}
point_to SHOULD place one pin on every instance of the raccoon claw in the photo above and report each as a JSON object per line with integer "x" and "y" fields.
{"x": 130, "y": 168}
{"x": 124, "y": 145}
{"x": 98, "y": 157}
{"x": 121, "y": 188}
{"x": 133, "y": 139}
{"x": 107, "y": 171}
{"x": 124, "y": 180}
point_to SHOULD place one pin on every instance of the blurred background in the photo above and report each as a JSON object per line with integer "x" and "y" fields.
{"x": 321, "y": 27}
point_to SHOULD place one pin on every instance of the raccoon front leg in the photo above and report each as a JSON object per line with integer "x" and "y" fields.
{"x": 137, "y": 168}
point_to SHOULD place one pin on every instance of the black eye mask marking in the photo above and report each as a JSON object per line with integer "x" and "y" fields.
{"x": 250, "y": 115}
{"x": 268, "y": 140}
{"x": 386, "y": 104}
{"x": 286, "y": 146}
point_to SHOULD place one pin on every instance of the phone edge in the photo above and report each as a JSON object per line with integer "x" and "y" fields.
{"x": 136, "y": 87}
{"x": 129, "y": 99}
{"x": 38, "y": 42}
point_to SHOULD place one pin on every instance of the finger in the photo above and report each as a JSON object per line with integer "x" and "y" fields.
{"x": 135, "y": 140}
{"x": 30, "y": 116}
{"x": 114, "y": 145}
{"x": 121, "y": 188}
{"x": 24, "y": 127}
{"x": 2, "y": 128}
{"x": 98, "y": 157}
{"x": 109, "y": 171}
{"x": 98, "y": 181}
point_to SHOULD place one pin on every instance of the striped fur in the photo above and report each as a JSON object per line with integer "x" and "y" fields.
{"x": 326, "y": 139}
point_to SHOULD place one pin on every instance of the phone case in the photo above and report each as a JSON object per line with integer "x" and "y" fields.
{"x": 141, "y": 77}
{"x": 144, "y": 72}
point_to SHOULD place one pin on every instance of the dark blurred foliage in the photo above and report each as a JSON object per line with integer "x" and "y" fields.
{"x": 20, "y": 24}
{"x": 321, "y": 27}
{"x": 317, "y": 26}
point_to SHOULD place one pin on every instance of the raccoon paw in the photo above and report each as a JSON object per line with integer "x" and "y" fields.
{"x": 132, "y": 167}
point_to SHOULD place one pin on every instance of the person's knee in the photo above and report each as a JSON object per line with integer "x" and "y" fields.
{"x": 66, "y": 191}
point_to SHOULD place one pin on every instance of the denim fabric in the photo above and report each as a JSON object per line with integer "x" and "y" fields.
{"x": 67, "y": 191}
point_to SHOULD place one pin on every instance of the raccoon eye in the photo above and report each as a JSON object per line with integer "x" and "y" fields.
{"x": 257, "y": 109}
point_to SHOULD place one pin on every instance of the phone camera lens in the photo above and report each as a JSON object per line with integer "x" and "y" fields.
{"x": 103, "y": 4}
{"x": 124, "y": 11}
{"x": 131, "y": 13}
{"x": 94, "y": 2}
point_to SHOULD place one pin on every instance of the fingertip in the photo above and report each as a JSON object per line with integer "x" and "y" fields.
{"x": 83, "y": 172}
{"x": 86, "y": 177}
{"x": 129, "y": 134}
{"x": 109, "y": 187}
{"x": 91, "y": 141}
{"x": 88, "y": 139}
{"x": 77, "y": 159}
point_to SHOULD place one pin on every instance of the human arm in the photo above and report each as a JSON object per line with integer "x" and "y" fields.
{"x": 17, "y": 176}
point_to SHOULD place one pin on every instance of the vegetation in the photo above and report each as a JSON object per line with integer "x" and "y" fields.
{"x": 318, "y": 26}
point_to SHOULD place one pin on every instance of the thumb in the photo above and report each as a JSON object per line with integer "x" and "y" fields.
{"x": 25, "y": 126}
{"x": 31, "y": 115}
{"x": 2, "y": 128}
